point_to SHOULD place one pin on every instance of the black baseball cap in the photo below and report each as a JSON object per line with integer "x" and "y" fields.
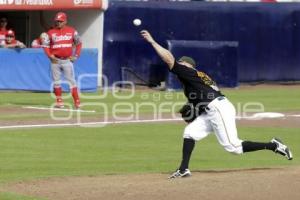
{"x": 188, "y": 60}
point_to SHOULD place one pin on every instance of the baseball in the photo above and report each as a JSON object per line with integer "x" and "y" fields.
{"x": 137, "y": 22}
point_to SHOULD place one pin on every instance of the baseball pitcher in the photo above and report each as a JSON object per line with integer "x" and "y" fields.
{"x": 215, "y": 112}
{"x": 59, "y": 49}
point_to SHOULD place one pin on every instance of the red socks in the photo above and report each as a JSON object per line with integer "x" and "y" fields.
{"x": 75, "y": 95}
{"x": 58, "y": 93}
{"x": 74, "y": 92}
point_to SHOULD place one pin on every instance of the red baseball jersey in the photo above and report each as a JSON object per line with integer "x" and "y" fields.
{"x": 36, "y": 43}
{"x": 13, "y": 42}
{"x": 60, "y": 42}
{"x": 2, "y": 34}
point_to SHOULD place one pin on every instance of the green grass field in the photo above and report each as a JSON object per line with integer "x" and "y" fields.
{"x": 37, "y": 153}
{"x": 10, "y": 196}
{"x": 280, "y": 99}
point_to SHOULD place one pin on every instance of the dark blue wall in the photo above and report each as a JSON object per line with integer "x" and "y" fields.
{"x": 217, "y": 59}
{"x": 268, "y": 35}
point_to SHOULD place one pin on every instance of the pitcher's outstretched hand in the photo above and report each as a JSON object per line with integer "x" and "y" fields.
{"x": 147, "y": 36}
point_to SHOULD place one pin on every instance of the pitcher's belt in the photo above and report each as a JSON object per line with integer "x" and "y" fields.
{"x": 220, "y": 98}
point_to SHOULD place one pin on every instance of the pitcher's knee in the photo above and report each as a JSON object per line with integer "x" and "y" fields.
{"x": 192, "y": 133}
{"x": 188, "y": 133}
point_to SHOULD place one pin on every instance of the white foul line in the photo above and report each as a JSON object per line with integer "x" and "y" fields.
{"x": 294, "y": 115}
{"x": 115, "y": 122}
{"x": 88, "y": 123}
{"x": 59, "y": 109}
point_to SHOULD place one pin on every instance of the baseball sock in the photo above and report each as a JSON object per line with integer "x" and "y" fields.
{"x": 249, "y": 146}
{"x": 187, "y": 149}
{"x": 75, "y": 94}
{"x": 58, "y": 92}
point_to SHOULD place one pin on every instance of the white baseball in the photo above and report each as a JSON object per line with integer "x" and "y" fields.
{"x": 137, "y": 22}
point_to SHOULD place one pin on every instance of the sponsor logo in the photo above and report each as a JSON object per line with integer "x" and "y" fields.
{"x": 76, "y": 2}
{"x": 5, "y": 2}
{"x": 38, "y": 2}
{"x": 58, "y": 46}
{"x": 31, "y": 2}
{"x": 18, "y": 2}
{"x": 59, "y": 38}
{"x": 83, "y": 2}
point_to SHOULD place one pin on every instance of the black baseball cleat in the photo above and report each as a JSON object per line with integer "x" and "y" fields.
{"x": 282, "y": 148}
{"x": 181, "y": 174}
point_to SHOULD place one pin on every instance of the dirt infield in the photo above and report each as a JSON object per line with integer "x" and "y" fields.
{"x": 249, "y": 184}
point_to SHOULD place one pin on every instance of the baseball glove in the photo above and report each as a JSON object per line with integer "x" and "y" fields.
{"x": 188, "y": 113}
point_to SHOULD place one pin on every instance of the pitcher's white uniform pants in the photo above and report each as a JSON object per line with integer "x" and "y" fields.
{"x": 220, "y": 119}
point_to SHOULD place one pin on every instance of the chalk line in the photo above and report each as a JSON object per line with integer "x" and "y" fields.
{"x": 59, "y": 109}
{"x": 87, "y": 123}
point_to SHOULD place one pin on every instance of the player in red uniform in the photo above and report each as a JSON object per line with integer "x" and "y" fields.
{"x": 3, "y": 28}
{"x": 59, "y": 48}
{"x": 38, "y": 42}
{"x": 10, "y": 41}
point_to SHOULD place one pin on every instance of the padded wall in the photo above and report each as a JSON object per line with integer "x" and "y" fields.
{"x": 29, "y": 69}
{"x": 217, "y": 59}
{"x": 268, "y": 35}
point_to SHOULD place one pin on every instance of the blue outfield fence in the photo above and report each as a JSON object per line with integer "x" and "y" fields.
{"x": 29, "y": 69}
{"x": 268, "y": 38}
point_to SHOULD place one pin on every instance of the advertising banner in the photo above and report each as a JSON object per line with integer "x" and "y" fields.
{"x": 52, "y": 4}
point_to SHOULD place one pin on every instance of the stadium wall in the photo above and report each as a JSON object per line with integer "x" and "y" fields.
{"x": 29, "y": 69}
{"x": 267, "y": 38}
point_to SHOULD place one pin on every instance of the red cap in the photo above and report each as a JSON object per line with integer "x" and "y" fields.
{"x": 61, "y": 16}
{"x": 10, "y": 32}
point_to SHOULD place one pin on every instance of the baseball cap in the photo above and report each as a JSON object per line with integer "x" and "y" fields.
{"x": 61, "y": 16}
{"x": 188, "y": 60}
{"x": 10, "y": 33}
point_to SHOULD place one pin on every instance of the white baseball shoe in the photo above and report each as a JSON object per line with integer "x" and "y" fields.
{"x": 77, "y": 104}
{"x": 282, "y": 149}
{"x": 178, "y": 174}
{"x": 59, "y": 105}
